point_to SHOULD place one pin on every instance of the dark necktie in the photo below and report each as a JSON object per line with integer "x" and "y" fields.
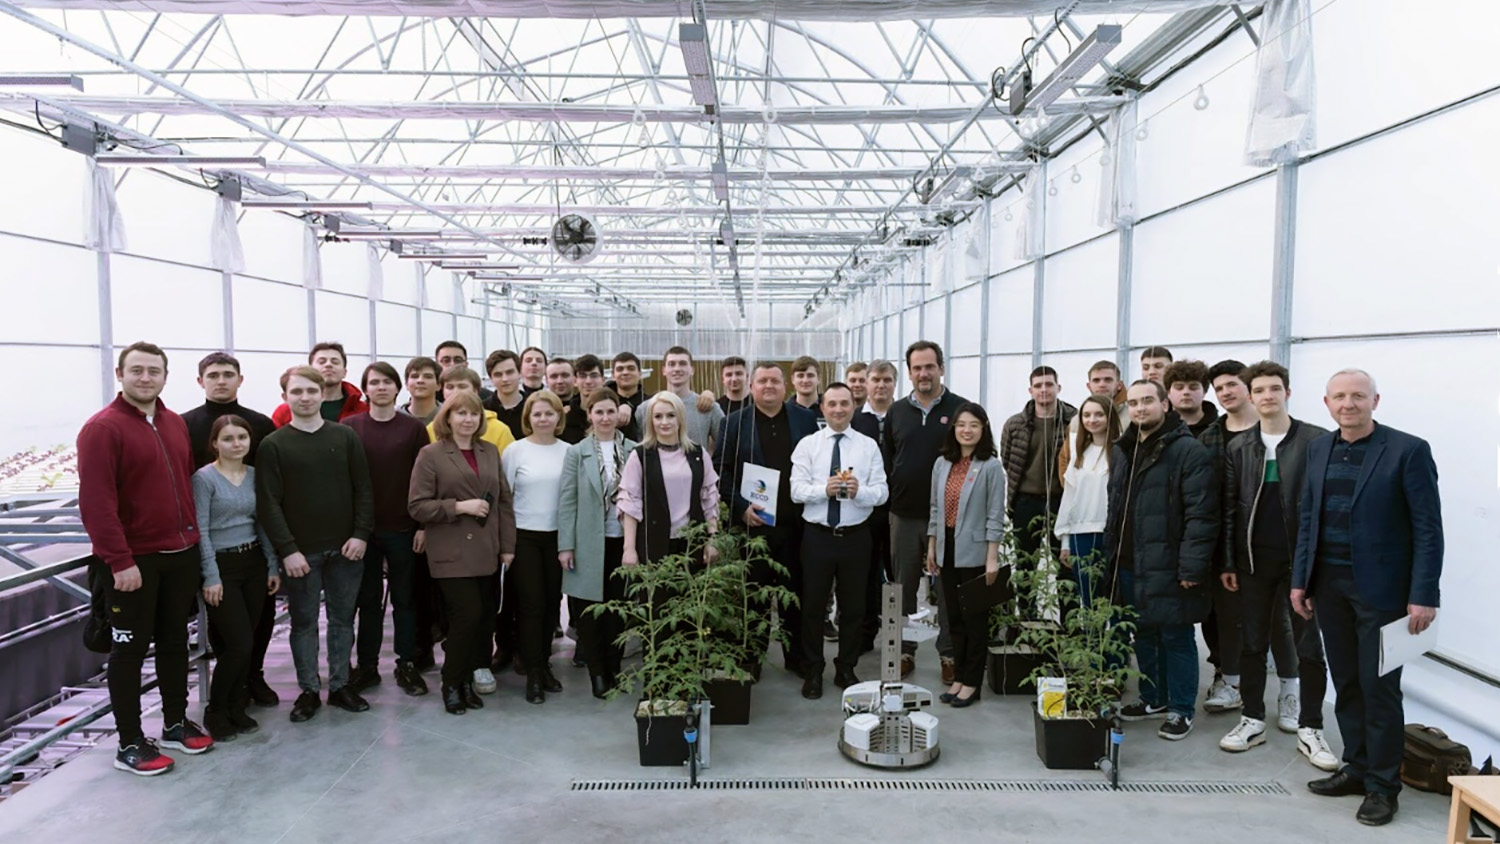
{"x": 838, "y": 466}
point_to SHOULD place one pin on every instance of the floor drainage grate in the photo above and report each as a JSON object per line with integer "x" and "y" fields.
{"x": 1246, "y": 789}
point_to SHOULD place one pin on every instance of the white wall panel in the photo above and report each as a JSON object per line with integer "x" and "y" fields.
{"x": 1011, "y": 296}
{"x": 935, "y": 322}
{"x": 1426, "y": 60}
{"x": 962, "y": 375}
{"x": 344, "y": 319}
{"x": 50, "y": 292}
{"x": 1463, "y": 452}
{"x": 166, "y": 304}
{"x": 396, "y": 331}
{"x": 56, "y": 420}
{"x": 1203, "y": 272}
{"x": 1078, "y": 301}
{"x": 1070, "y": 214}
{"x": 269, "y": 316}
{"x": 272, "y": 244}
{"x": 399, "y": 279}
{"x": 967, "y": 316}
{"x": 893, "y": 341}
{"x": 346, "y": 268}
{"x": 437, "y": 326}
{"x": 1005, "y": 233}
{"x": 439, "y": 285}
{"x": 44, "y": 187}
{"x": 471, "y": 334}
{"x": 164, "y": 218}
{"x": 1007, "y": 385}
{"x": 1398, "y": 233}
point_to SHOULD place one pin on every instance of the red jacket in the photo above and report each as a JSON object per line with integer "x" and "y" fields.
{"x": 353, "y": 403}
{"x": 135, "y": 490}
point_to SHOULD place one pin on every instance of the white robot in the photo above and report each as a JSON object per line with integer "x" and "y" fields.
{"x": 886, "y": 722}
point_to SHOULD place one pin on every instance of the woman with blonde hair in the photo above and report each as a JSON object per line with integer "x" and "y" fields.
{"x": 666, "y": 485}
{"x": 463, "y": 502}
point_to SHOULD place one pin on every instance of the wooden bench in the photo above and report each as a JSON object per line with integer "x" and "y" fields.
{"x": 1471, "y": 794}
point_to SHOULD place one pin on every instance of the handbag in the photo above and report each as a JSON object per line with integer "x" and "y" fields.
{"x": 97, "y": 635}
{"x": 1430, "y": 758}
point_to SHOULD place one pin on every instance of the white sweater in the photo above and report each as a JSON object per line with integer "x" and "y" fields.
{"x": 534, "y": 473}
{"x": 1085, "y": 499}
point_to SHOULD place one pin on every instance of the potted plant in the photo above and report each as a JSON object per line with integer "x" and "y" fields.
{"x": 694, "y": 622}
{"x": 747, "y": 622}
{"x": 1086, "y": 662}
{"x": 1013, "y": 659}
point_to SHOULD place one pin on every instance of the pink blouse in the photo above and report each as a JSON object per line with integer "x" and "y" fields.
{"x": 678, "y": 477}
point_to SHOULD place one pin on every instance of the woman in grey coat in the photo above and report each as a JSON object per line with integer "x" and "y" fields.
{"x": 590, "y": 541}
{"x": 965, "y": 522}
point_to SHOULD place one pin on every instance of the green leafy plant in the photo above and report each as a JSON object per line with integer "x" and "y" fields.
{"x": 695, "y": 621}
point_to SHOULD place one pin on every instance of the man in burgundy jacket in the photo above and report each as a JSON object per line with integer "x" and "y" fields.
{"x": 136, "y": 500}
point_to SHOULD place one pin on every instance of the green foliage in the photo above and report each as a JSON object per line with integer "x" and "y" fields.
{"x": 695, "y": 621}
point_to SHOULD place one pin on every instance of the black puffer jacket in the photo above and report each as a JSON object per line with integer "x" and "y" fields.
{"x": 1165, "y": 486}
{"x": 1244, "y": 475}
{"x": 1015, "y": 446}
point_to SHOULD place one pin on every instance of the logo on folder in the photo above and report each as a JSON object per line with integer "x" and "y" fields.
{"x": 760, "y": 487}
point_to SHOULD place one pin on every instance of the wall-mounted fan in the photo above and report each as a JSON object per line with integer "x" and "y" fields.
{"x": 684, "y": 317}
{"x": 575, "y": 238}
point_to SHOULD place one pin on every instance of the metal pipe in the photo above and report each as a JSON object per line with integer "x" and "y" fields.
{"x": 46, "y": 625}
{"x": 32, "y": 575}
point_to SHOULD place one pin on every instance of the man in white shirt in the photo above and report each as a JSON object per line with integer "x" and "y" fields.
{"x": 838, "y": 475}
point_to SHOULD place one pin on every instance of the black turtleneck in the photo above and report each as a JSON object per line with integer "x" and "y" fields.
{"x": 200, "y": 422}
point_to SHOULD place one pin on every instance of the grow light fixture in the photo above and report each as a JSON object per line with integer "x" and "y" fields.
{"x": 480, "y": 267}
{"x": 40, "y": 80}
{"x": 719, "y": 175}
{"x": 1025, "y": 98}
{"x": 242, "y": 162}
{"x": 443, "y": 256}
{"x": 307, "y": 205}
{"x": 693, "y": 39}
{"x": 391, "y": 234}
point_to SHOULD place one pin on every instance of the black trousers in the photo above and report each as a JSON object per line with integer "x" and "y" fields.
{"x": 427, "y": 606}
{"x": 1367, "y": 706}
{"x": 369, "y": 609}
{"x": 264, "y": 626}
{"x": 470, "y": 604}
{"x": 784, "y": 544}
{"x": 1034, "y": 517}
{"x": 598, "y": 634}
{"x": 504, "y": 581}
{"x": 827, "y": 557}
{"x": 243, "y": 574}
{"x": 1264, "y": 595}
{"x": 155, "y": 611}
{"x": 967, "y": 631}
{"x": 538, "y": 590}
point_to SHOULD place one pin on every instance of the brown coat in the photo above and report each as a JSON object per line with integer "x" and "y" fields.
{"x": 460, "y": 546}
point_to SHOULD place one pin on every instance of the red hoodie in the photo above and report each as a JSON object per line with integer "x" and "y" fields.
{"x": 353, "y": 403}
{"x": 135, "y": 490}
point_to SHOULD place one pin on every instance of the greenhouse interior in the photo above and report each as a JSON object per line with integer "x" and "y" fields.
{"x": 1050, "y": 329}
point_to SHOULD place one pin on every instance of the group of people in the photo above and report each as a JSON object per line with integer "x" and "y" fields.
{"x": 475, "y": 510}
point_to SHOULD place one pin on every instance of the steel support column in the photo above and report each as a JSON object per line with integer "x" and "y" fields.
{"x": 1283, "y": 261}
{"x": 226, "y": 294}
{"x": 1039, "y": 272}
{"x": 984, "y": 307}
{"x": 312, "y": 317}
{"x": 1123, "y": 285}
{"x": 106, "y": 327}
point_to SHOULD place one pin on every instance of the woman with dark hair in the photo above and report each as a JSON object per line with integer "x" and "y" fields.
{"x": 965, "y": 523}
{"x": 1085, "y": 500}
{"x": 239, "y": 571}
{"x": 460, "y": 496}
{"x": 590, "y": 539}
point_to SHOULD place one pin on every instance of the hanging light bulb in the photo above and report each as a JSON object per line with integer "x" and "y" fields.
{"x": 1076, "y": 177}
{"x": 1052, "y": 188}
{"x": 1202, "y": 102}
{"x": 1142, "y": 133}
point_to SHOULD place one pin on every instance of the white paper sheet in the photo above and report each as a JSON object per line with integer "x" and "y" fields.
{"x": 760, "y": 486}
{"x": 1398, "y": 647}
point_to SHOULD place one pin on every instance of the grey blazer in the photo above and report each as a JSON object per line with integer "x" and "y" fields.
{"x": 981, "y": 511}
{"x": 580, "y": 520}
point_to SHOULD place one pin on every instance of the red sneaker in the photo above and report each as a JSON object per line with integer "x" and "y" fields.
{"x": 143, "y": 759}
{"x": 187, "y": 737}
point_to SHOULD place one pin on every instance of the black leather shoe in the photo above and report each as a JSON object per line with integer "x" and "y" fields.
{"x": 471, "y": 696}
{"x": 1341, "y": 784}
{"x": 600, "y": 684}
{"x": 306, "y": 707}
{"x": 550, "y": 683}
{"x": 812, "y": 687}
{"x": 348, "y": 700}
{"x": 363, "y": 677}
{"x": 453, "y": 700}
{"x": 1377, "y": 810}
{"x": 534, "y": 693}
{"x": 844, "y": 678}
{"x": 502, "y": 660}
{"x": 409, "y": 679}
{"x": 961, "y": 702}
{"x": 262, "y": 694}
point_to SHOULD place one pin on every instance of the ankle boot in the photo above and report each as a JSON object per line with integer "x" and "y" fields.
{"x": 453, "y": 700}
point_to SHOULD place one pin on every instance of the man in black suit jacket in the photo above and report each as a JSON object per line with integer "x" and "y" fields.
{"x": 765, "y": 434}
{"x": 1369, "y": 552}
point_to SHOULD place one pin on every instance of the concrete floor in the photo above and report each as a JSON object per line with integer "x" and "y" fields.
{"x": 406, "y": 771}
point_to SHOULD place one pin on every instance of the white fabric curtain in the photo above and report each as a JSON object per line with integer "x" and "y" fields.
{"x": 1117, "y": 195}
{"x": 1031, "y": 225}
{"x": 225, "y": 247}
{"x": 460, "y": 300}
{"x": 376, "y": 290}
{"x": 1282, "y": 113}
{"x": 312, "y": 263}
{"x": 976, "y": 250}
{"x": 105, "y": 230}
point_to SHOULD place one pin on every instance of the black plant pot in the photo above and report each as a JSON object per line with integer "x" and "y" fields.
{"x": 731, "y": 701}
{"x": 660, "y": 740}
{"x": 1070, "y": 744}
{"x": 1009, "y": 667}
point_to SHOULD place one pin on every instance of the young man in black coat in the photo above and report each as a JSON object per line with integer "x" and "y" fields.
{"x": 1163, "y": 524}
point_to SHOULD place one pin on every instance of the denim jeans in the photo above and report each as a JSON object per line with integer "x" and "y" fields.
{"x": 1168, "y": 656}
{"x": 1081, "y": 546}
{"x": 337, "y": 578}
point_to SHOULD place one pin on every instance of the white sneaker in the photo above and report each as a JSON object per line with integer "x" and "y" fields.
{"x": 484, "y": 681}
{"x": 1246, "y": 734}
{"x": 1289, "y": 712}
{"x": 1215, "y": 686}
{"x": 1316, "y": 749}
{"x": 1223, "y": 698}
